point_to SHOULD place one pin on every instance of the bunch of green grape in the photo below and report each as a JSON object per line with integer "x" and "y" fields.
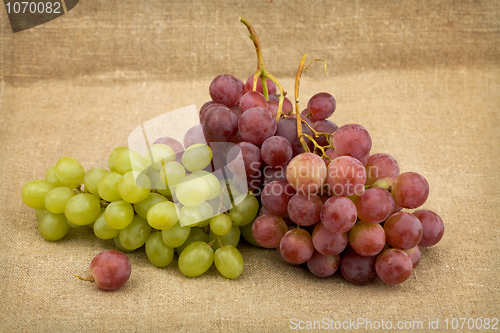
{"x": 166, "y": 204}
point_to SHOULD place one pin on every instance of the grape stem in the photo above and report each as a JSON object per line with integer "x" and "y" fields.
{"x": 300, "y": 134}
{"x": 89, "y": 278}
{"x": 262, "y": 71}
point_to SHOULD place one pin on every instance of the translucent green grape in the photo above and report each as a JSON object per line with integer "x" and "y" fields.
{"x": 221, "y": 224}
{"x": 39, "y": 212}
{"x": 91, "y": 180}
{"x": 231, "y": 238}
{"x": 128, "y": 160}
{"x": 176, "y": 236}
{"x": 157, "y": 251}
{"x": 112, "y": 155}
{"x": 135, "y": 234}
{"x": 196, "y": 234}
{"x": 228, "y": 261}
{"x": 82, "y": 209}
{"x": 119, "y": 214}
{"x": 212, "y": 181}
{"x": 163, "y": 215}
{"x": 74, "y": 226}
{"x": 56, "y": 199}
{"x": 69, "y": 172}
{"x": 119, "y": 246}
{"x": 246, "y": 208}
{"x": 107, "y": 187}
{"x": 142, "y": 208}
{"x": 196, "y": 259}
{"x": 52, "y": 226}
{"x": 192, "y": 190}
{"x": 33, "y": 193}
{"x": 189, "y": 216}
{"x": 102, "y": 230}
{"x": 159, "y": 154}
{"x": 50, "y": 176}
{"x": 206, "y": 212}
{"x": 197, "y": 157}
{"x": 172, "y": 173}
{"x": 134, "y": 187}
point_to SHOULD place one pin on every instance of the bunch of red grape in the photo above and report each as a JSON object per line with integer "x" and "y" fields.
{"x": 332, "y": 206}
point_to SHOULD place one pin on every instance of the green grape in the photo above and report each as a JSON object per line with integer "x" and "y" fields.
{"x": 189, "y": 216}
{"x": 163, "y": 215}
{"x": 82, "y": 209}
{"x": 52, "y": 226}
{"x": 246, "y": 232}
{"x": 165, "y": 190}
{"x": 91, "y": 180}
{"x": 196, "y": 259}
{"x": 206, "y": 212}
{"x": 142, "y": 208}
{"x": 69, "y": 172}
{"x": 33, "y": 193}
{"x": 119, "y": 214}
{"x": 56, "y": 199}
{"x": 50, "y": 176}
{"x": 158, "y": 155}
{"x": 231, "y": 238}
{"x": 246, "y": 208}
{"x": 135, "y": 234}
{"x": 112, "y": 155}
{"x": 157, "y": 251}
{"x": 107, "y": 187}
{"x": 196, "y": 234}
{"x": 175, "y": 236}
{"x": 221, "y": 224}
{"x": 102, "y": 230}
{"x": 129, "y": 160}
{"x": 39, "y": 212}
{"x": 134, "y": 187}
{"x": 74, "y": 226}
{"x": 172, "y": 173}
{"x": 228, "y": 261}
{"x": 197, "y": 157}
{"x": 192, "y": 190}
{"x": 212, "y": 181}
{"x": 119, "y": 246}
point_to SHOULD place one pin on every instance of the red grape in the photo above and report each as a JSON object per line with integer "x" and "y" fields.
{"x": 256, "y": 125}
{"x": 109, "y": 270}
{"x": 270, "y": 174}
{"x": 195, "y": 135}
{"x": 338, "y": 214}
{"x": 393, "y": 266}
{"x": 271, "y": 86}
{"x": 323, "y": 266}
{"x": 268, "y": 229}
{"x": 245, "y": 154}
{"x": 276, "y": 151}
{"x": 403, "y": 230}
{"x": 327, "y": 242}
{"x": 226, "y": 89}
{"x": 346, "y": 176}
{"x": 324, "y": 126}
{"x": 352, "y": 140}
{"x": 306, "y": 173}
{"x": 220, "y": 125}
{"x": 381, "y": 166}
{"x": 287, "y": 128}
{"x": 304, "y": 209}
{"x": 374, "y": 205}
{"x": 432, "y": 227}
{"x": 252, "y": 99}
{"x": 296, "y": 246}
{"x": 357, "y": 269}
{"x": 275, "y": 197}
{"x": 415, "y": 255}
{"x": 410, "y": 190}
{"x": 367, "y": 239}
{"x": 322, "y": 105}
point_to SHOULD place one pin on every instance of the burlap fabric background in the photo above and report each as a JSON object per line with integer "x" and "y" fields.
{"x": 421, "y": 76}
